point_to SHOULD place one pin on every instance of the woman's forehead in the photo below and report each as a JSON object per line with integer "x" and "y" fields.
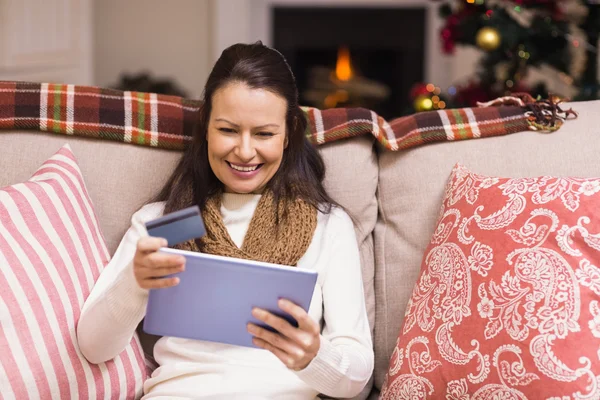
{"x": 238, "y": 103}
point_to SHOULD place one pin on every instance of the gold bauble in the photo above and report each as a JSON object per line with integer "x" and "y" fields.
{"x": 488, "y": 39}
{"x": 423, "y": 103}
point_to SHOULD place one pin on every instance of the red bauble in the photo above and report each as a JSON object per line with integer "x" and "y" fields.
{"x": 449, "y": 34}
{"x": 472, "y": 93}
{"x": 418, "y": 89}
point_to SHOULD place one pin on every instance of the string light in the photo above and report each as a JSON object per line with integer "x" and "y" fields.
{"x": 524, "y": 54}
{"x": 566, "y": 78}
{"x": 588, "y": 46}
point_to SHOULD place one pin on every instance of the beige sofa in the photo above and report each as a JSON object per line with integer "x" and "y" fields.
{"x": 393, "y": 197}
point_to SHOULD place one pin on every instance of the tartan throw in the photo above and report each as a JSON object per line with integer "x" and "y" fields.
{"x": 161, "y": 121}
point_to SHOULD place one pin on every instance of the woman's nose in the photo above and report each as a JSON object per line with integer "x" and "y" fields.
{"x": 245, "y": 148}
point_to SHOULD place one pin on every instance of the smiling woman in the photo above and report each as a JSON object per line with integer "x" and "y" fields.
{"x": 259, "y": 183}
{"x": 251, "y": 98}
{"x": 246, "y": 137}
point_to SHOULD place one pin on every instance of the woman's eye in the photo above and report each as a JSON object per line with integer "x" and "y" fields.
{"x": 226, "y": 130}
{"x": 266, "y": 134}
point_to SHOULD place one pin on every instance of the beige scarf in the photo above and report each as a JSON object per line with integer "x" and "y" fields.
{"x": 279, "y": 233}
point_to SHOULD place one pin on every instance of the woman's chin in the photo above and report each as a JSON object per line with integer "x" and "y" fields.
{"x": 243, "y": 189}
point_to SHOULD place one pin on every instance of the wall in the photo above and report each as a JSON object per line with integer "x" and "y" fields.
{"x": 46, "y": 42}
{"x": 171, "y": 39}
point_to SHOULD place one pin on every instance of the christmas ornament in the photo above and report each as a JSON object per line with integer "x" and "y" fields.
{"x": 423, "y": 103}
{"x": 468, "y": 95}
{"x": 449, "y": 34}
{"x": 488, "y": 38}
{"x": 418, "y": 89}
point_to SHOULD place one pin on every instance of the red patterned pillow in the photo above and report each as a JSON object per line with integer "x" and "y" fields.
{"x": 51, "y": 253}
{"x": 507, "y": 303}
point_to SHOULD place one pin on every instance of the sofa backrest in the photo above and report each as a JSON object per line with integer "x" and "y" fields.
{"x": 410, "y": 192}
{"x": 120, "y": 177}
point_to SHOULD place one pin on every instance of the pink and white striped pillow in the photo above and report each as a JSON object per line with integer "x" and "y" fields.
{"x": 51, "y": 254}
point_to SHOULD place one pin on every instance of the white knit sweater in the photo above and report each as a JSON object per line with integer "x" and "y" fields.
{"x": 199, "y": 369}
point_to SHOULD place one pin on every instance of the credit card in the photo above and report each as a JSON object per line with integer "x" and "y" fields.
{"x": 179, "y": 226}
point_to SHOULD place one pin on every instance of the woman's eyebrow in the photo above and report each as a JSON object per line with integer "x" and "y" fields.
{"x": 268, "y": 125}
{"x": 224, "y": 120}
{"x": 256, "y": 127}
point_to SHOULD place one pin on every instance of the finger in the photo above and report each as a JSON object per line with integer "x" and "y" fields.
{"x": 278, "y": 323}
{"x": 305, "y": 322}
{"x": 159, "y": 260}
{"x": 159, "y": 283}
{"x": 285, "y": 358}
{"x": 150, "y": 273}
{"x": 149, "y": 244}
{"x": 277, "y": 340}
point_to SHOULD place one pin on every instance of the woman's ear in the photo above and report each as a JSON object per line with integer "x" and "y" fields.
{"x": 285, "y": 141}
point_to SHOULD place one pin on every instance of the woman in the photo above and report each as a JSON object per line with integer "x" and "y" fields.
{"x": 258, "y": 182}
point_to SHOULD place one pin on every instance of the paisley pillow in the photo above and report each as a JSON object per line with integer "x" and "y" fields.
{"x": 507, "y": 302}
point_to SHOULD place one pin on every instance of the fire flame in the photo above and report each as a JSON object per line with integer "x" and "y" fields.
{"x": 343, "y": 70}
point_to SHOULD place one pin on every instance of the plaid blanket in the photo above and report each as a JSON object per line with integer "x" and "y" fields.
{"x": 167, "y": 122}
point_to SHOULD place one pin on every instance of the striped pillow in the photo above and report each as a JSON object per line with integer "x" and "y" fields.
{"x": 51, "y": 253}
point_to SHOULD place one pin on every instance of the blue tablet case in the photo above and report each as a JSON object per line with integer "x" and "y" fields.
{"x": 215, "y": 296}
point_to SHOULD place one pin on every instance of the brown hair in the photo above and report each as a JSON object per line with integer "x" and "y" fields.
{"x": 302, "y": 169}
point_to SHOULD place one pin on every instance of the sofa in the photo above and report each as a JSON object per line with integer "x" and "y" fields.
{"x": 393, "y": 197}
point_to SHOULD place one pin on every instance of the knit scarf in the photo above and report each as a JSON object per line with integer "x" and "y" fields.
{"x": 279, "y": 233}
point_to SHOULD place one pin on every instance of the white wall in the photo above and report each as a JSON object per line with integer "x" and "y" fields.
{"x": 169, "y": 38}
{"x": 46, "y": 42}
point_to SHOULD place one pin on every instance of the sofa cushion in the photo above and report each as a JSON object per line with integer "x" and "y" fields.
{"x": 507, "y": 300}
{"x": 411, "y": 187}
{"x": 351, "y": 180}
{"x": 51, "y": 253}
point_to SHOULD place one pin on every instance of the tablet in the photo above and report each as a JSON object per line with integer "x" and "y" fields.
{"x": 215, "y": 296}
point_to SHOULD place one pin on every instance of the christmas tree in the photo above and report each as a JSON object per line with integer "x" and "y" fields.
{"x": 516, "y": 35}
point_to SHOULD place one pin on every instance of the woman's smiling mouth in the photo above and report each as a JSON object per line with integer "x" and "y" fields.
{"x": 244, "y": 168}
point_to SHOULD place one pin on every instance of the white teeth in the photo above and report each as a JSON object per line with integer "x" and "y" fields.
{"x": 243, "y": 169}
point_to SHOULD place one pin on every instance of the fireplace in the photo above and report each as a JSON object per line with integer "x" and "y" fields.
{"x": 353, "y": 57}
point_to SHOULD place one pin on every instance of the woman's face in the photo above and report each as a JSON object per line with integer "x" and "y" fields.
{"x": 246, "y": 137}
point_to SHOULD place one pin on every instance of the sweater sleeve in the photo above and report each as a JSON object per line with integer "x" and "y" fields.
{"x": 344, "y": 362}
{"x": 116, "y": 304}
